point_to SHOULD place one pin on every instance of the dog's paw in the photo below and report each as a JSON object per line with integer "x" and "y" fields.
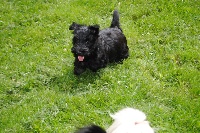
{"x": 78, "y": 71}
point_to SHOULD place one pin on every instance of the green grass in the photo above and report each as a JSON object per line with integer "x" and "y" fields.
{"x": 39, "y": 93}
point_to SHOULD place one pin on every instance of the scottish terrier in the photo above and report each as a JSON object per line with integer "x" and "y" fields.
{"x": 94, "y": 48}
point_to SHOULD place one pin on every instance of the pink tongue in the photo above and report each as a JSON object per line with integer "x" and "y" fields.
{"x": 80, "y": 58}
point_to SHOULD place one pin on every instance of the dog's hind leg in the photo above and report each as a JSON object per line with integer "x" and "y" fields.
{"x": 124, "y": 54}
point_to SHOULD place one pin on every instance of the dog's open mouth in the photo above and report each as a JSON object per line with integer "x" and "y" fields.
{"x": 81, "y": 58}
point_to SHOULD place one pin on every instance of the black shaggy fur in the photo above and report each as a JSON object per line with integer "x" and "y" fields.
{"x": 94, "y": 48}
{"x": 91, "y": 129}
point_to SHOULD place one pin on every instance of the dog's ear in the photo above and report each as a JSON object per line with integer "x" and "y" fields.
{"x": 94, "y": 29}
{"x": 74, "y": 26}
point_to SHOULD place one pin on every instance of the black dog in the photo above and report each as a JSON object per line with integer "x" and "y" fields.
{"x": 91, "y": 129}
{"x": 94, "y": 49}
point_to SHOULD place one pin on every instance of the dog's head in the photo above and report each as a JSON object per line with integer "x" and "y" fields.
{"x": 129, "y": 120}
{"x": 84, "y": 40}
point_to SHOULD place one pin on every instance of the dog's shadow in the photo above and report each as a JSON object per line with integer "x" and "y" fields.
{"x": 73, "y": 84}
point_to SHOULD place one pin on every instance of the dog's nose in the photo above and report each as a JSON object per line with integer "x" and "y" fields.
{"x": 83, "y": 50}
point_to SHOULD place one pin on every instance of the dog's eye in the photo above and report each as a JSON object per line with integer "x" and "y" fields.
{"x": 87, "y": 41}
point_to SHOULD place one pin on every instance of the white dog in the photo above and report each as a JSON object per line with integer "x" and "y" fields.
{"x": 127, "y": 120}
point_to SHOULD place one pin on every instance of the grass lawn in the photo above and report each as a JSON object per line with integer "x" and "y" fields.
{"x": 40, "y": 93}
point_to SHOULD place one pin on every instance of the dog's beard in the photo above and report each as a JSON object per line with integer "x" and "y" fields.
{"x": 80, "y": 53}
{"x": 81, "y": 57}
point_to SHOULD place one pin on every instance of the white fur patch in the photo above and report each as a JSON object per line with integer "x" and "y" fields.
{"x": 129, "y": 120}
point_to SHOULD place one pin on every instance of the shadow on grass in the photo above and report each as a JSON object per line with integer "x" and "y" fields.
{"x": 71, "y": 83}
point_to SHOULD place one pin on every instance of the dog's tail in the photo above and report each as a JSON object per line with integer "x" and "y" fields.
{"x": 115, "y": 20}
{"x": 91, "y": 129}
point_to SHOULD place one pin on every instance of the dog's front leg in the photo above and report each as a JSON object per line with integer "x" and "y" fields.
{"x": 102, "y": 59}
{"x": 98, "y": 63}
{"x": 78, "y": 71}
{"x": 78, "y": 68}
